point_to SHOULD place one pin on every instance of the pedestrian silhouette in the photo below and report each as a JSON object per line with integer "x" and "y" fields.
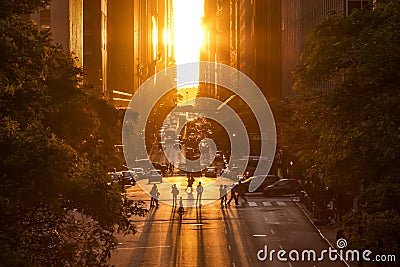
{"x": 155, "y": 194}
{"x": 180, "y": 209}
{"x": 233, "y": 195}
{"x": 175, "y": 193}
{"x": 222, "y": 194}
{"x": 241, "y": 191}
{"x": 190, "y": 182}
{"x": 199, "y": 190}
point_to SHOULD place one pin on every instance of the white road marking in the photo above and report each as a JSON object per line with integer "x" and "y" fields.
{"x": 290, "y": 265}
{"x": 259, "y": 235}
{"x": 266, "y": 219}
{"x": 281, "y": 203}
{"x": 252, "y": 204}
{"x": 272, "y": 231}
{"x": 280, "y": 246}
{"x": 143, "y": 247}
{"x": 225, "y": 231}
{"x": 233, "y": 264}
{"x": 229, "y": 247}
{"x": 267, "y": 203}
{"x": 196, "y": 224}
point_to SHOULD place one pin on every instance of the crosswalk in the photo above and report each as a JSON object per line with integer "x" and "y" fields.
{"x": 264, "y": 204}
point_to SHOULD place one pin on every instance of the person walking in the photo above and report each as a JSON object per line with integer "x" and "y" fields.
{"x": 175, "y": 193}
{"x": 225, "y": 195}
{"x": 199, "y": 190}
{"x": 222, "y": 194}
{"x": 154, "y": 196}
{"x": 190, "y": 183}
{"x": 241, "y": 191}
{"x": 233, "y": 195}
{"x": 181, "y": 208}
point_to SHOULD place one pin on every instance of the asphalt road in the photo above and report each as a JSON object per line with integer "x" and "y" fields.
{"x": 212, "y": 235}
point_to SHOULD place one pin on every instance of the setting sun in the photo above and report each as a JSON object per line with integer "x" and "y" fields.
{"x": 188, "y": 32}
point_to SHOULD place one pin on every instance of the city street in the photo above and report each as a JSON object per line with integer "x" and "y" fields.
{"x": 212, "y": 235}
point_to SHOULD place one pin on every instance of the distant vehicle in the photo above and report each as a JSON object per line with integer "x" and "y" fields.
{"x": 195, "y": 173}
{"x": 282, "y": 187}
{"x": 129, "y": 177}
{"x": 191, "y": 153}
{"x": 265, "y": 181}
{"x": 154, "y": 176}
{"x": 210, "y": 172}
{"x": 123, "y": 178}
{"x": 219, "y": 156}
{"x": 115, "y": 177}
{"x": 177, "y": 144}
{"x": 139, "y": 173}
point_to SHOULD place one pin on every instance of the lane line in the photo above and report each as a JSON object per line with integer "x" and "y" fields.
{"x": 259, "y": 235}
{"x": 229, "y": 247}
{"x": 233, "y": 264}
{"x": 290, "y": 264}
{"x": 252, "y": 204}
{"x": 281, "y": 203}
{"x": 280, "y": 246}
{"x": 272, "y": 231}
{"x": 131, "y": 248}
{"x": 266, "y": 219}
{"x": 267, "y": 204}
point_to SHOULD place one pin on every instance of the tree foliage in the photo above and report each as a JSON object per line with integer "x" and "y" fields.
{"x": 57, "y": 142}
{"x": 350, "y": 90}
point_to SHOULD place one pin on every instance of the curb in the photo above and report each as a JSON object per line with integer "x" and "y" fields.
{"x": 321, "y": 234}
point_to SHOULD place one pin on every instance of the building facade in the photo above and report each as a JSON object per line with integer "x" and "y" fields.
{"x": 140, "y": 44}
{"x": 245, "y": 35}
{"x": 95, "y": 45}
{"x": 298, "y": 19}
{"x": 65, "y": 20}
{"x": 263, "y": 38}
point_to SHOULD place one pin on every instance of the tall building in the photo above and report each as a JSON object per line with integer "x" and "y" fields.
{"x": 95, "y": 44}
{"x": 140, "y": 44}
{"x": 65, "y": 20}
{"x": 245, "y": 35}
{"x": 265, "y": 38}
{"x": 81, "y": 28}
{"x": 298, "y": 19}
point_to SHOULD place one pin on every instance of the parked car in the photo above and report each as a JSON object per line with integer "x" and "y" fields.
{"x": 129, "y": 177}
{"x": 139, "y": 172}
{"x": 154, "y": 176}
{"x": 115, "y": 177}
{"x": 282, "y": 187}
{"x": 210, "y": 172}
{"x": 265, "y": 181}
{"x": 122, "y": 178}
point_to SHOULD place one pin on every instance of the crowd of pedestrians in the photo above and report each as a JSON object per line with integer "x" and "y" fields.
{"x": 237, "y": 192}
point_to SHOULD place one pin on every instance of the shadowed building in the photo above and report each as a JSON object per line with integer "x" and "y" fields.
{"x": 65, "y": 20}
{"x": 263, "y": 38}
{"x": 140, "y": 44}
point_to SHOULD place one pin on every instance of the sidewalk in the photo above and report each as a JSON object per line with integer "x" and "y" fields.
{"x": 328, "y": 233}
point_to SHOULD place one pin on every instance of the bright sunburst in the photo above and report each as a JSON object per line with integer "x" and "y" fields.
{"x": 188, "y": 32}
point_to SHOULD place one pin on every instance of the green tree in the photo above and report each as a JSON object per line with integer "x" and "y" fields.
{"x": 57, "y": 142}
{"x": 350, "y": 87}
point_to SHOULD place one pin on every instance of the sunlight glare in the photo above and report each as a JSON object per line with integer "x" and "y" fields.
{"x": 188, "y": 32}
